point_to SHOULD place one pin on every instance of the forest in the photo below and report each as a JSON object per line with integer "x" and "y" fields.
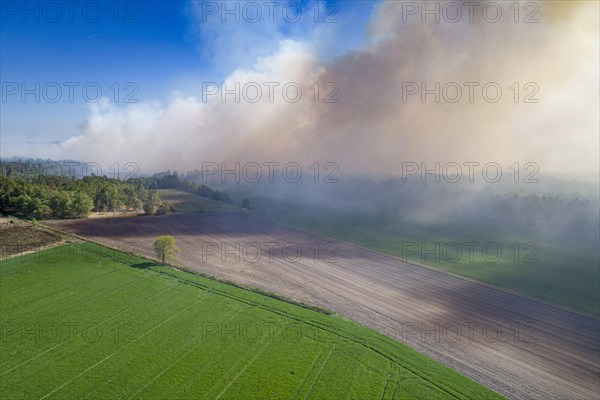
{"x": 30, "y": 190}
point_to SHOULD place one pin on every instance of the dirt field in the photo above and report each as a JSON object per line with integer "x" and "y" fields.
{"x": 17, "y": 237}
{"x": 519, "y": 347}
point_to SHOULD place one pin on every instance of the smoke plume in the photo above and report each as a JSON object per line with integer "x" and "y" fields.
{"x": 375, "y": 125}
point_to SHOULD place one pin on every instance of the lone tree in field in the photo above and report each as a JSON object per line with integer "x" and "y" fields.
{"x": 165, "y": 248}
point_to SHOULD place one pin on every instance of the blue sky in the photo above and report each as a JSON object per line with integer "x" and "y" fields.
{"x": 161, "y": 46}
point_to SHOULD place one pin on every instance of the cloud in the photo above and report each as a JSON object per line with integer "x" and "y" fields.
{"x": 371, "y": 128}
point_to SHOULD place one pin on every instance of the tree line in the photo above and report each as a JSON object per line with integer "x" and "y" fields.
{"x": 173, "y": 180}
{"x": 48, "y": 196}
{"x": 30, "y": 190}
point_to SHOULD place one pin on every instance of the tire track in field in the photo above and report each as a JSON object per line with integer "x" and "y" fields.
{"x": 85, "y": 330}
{"x": 139, "y": 279}
{"x": 185, "y": 353}
{"x": 123, "y": 347}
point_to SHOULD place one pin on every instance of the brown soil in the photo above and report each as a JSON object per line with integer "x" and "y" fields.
{"x": 17, "y": 237}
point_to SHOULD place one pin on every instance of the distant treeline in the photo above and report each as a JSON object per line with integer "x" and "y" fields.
{"x": 530, "y": 210}
{"x": 30, "y": 189}
{"x": 555, "y": 214}
{"x": 172, "y": 180}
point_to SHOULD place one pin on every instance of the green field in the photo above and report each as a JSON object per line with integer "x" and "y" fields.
{"x": 84, "y": 321}
{"x": 555, "y": 272}
{"x": 191, "y": 203}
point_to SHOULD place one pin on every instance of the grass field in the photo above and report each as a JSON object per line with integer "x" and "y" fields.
{"x": 84, "y": 321}
{"x": 191, "y": 203}
{"x": 555, "y": 272}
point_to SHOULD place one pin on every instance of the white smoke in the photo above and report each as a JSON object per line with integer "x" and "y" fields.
{"x": 370, "y": 128}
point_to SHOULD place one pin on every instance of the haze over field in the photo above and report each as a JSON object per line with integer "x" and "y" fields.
{"x": 376, "y": 124}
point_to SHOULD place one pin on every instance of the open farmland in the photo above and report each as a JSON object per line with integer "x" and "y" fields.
{"x": 84, "y": 321}
{"x": 561, "y": 273}
{"x": 517, "y": 346}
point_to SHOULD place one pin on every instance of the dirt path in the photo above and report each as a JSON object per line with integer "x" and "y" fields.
{"x": 517, "y": 346}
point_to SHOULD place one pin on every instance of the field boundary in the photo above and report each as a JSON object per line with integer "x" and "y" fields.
{"x": 41, "y": 248}
{"x": 423, "y": 296}
{"x": 62, "y": 237}
{"x": 384, "y": 340}
{"x": 429, "y": 267}
{"x": 183, "y": 268}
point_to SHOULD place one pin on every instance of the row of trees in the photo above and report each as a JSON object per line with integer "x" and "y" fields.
{"x": 29, "y": 189}
{"x": 172, "y": 180}
{"x": 205, "y": 191}
{"x": 49, "y": 196}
